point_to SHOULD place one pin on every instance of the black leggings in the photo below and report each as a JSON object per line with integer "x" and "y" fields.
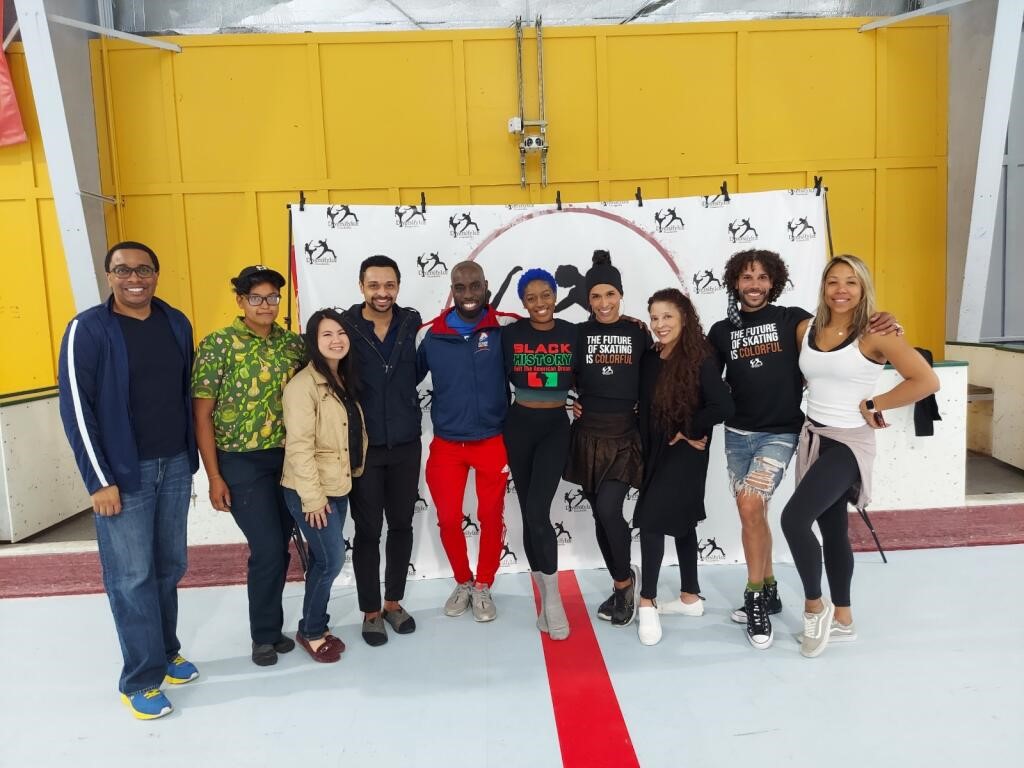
{"x": 652, "y": 551}
{"x": 537, "y": 440}
{"x": 821, "y": 495}
{"x": 613, "y": 536}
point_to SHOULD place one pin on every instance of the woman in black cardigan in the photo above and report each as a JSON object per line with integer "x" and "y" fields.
{"x": 682, "y": 397}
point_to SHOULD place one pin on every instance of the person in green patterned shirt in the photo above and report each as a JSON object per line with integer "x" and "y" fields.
{"x": 237, "y": 380}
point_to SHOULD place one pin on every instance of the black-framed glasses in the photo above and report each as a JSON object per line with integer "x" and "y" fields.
{"x": 255, "y": 299}
{"x": 123, "y": 271}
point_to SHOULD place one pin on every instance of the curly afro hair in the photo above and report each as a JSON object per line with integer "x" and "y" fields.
{"x": 773, "y": 264}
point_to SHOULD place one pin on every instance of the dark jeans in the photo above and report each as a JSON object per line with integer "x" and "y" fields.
{"x": 613, "y": 536}
{"x": 326, "y": 548}
{"x": 388, "y": 487}
{"x": 652, "y": 552}
{"x": 821, "y": 495}
{"x": 537, "y": 441}
{"x": 257, "y": 504}
{"x": 143, "y": 555}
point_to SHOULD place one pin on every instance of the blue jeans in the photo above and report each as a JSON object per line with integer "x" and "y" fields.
{"x": 326, "y": 547}
{"x": 757, "y": 461}
{"x": 143, "y": 555}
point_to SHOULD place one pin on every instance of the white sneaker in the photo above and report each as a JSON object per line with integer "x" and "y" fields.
{"x": 816, "y": 630}
{"x": 674, "y": 606}
{"x": 649, "y": 629}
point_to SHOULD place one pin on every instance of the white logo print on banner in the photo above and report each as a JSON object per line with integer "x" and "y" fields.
{"x": 678, "y": 242}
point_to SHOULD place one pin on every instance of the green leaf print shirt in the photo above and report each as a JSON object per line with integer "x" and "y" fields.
{"x": 246, "y": 374}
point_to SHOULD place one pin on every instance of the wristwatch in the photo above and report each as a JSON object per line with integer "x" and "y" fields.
{"x": 870, "y": 405}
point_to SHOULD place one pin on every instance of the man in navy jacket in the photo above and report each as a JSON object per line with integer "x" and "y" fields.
{"x": 125, "y": 403}
{"x": 383, "y": 337}
{"x": 461, "y": 349}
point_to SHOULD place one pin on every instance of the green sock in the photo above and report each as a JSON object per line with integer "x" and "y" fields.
{"x": 755, "y": 586}
{"x": 769, "y": 580}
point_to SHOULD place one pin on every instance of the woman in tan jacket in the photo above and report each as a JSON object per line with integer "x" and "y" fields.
{"x": 325, "y": 448}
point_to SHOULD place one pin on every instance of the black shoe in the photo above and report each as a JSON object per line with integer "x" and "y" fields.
{"x": 759, "y": 626}
{"x": 604, "y": 610}
{"x": 374, "y": 632}
{"x": 772, "y": 599}
{"x": 624, "y": 606}
{"x": 264, "y": 655}
{"x": 284, "y": 644}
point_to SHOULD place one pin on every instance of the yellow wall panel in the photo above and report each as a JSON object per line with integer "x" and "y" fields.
{"x": 704, "y": 185}
{"x": 649, "y": 189}
{"x": 912, "y": 275}
{"x": 671, "y": 101}
{"x": 851, "y": 205}
{"x": 762, "y": 182}
{"x": 807, "y": 94}
{"x": 237, "y": 104}
{"x": 140, "y": 119}
{"x": 210, "y": 144}
{"x": 570, "y": 106}
{"x": 389, "y": 110}
{"x": 491, "y": 99}
{"x": 28, "y": 364}
{"x": 222, "y": 239}
{"x": 915, "y": 106}
{"x": 155, "y": 221}
{"x": 349, "y": 196}
{"x": 59, "y": 299}
{"x": 499, "y": 194}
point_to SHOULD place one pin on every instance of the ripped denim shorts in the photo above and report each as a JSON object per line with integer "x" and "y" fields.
{"x": 757, "y": 460}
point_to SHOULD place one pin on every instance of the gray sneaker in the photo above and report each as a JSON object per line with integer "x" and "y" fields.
{"x": 838, "y": 633}
{"x": 483, "y": 605}
{"x": 458, "y": 601}
{"x": 816, "y": 630}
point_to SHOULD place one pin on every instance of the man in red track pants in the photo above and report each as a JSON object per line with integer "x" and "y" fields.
{"x": 461, "y": 349}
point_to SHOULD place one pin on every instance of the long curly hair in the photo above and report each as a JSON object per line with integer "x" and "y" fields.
{"x": 348, "y": 372}
{"x": 677, "y": 390}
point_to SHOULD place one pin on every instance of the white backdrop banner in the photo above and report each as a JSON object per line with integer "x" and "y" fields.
{"x": 677, "y": 242}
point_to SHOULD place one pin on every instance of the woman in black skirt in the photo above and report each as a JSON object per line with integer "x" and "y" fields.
{"x": 604, "y": 449}
{"x": 682, "y": 397}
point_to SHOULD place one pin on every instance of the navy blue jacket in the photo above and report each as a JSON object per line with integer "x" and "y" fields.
{"x": 387, "y": 388}
{"x": 94, "y": 401}
{"x": 470, "y": 389}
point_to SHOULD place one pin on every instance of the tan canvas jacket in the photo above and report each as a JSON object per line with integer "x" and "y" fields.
{"x": 316, "y": 455}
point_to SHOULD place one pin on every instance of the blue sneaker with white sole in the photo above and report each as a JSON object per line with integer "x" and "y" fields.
{"x": 148, "y": 705}
{"x": 180, "y": 671}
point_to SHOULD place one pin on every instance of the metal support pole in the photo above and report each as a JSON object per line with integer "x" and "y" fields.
{"x": 994, "y": 122}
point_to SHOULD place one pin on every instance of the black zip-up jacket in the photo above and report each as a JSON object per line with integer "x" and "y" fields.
{"x": 387, "y": 387}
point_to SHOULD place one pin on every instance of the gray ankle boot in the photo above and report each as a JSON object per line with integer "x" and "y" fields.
{"x": 554, "y": 612}
{"x": 542, "y": 621}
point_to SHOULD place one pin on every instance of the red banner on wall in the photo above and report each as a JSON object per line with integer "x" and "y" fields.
{"x": 12, "y": 130}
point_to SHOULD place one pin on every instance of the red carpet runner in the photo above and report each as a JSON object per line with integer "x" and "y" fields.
{"x": 591, "y": 730}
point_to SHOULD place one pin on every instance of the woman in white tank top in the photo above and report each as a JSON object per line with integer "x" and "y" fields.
{"x": 841, "y": 363}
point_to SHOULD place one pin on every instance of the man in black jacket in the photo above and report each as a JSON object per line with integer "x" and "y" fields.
{"x": 383, "y": 336}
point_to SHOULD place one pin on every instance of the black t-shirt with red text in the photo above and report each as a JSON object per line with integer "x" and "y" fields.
{"x": 762, "y": 367}
{"x": 608, "y": 365}
{"x": 539, "y": 364}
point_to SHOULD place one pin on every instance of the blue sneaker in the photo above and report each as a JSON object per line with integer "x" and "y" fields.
{"x": 149, "y": 704}
{"x": 180, "y": 671}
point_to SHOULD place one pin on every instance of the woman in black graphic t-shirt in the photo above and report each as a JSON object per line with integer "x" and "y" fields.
{"x": 539, "y": 354}
{"x": 604, "y": 451}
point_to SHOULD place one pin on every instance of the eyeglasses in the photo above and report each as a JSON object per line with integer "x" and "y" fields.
{"x": 255, "y": 299}
{"x": 123, "y": 271}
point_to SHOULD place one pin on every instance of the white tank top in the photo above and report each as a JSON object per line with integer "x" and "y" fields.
{"x": 836, "y": 382}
